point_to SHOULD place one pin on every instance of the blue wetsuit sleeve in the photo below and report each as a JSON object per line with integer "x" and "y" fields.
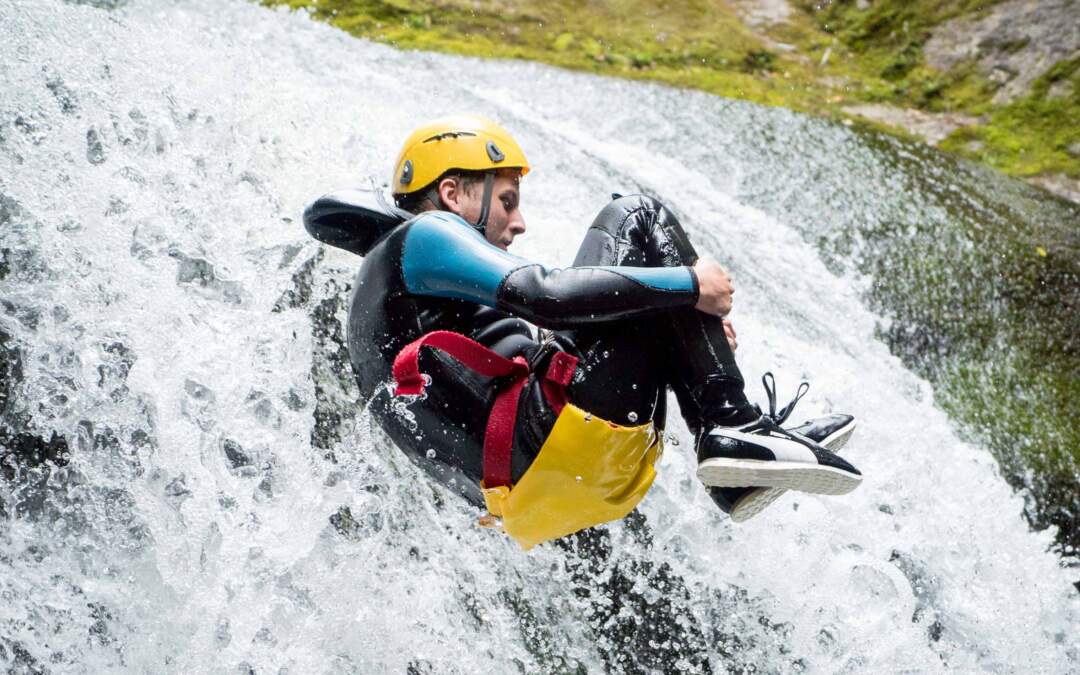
{"x": 445, "y": 257}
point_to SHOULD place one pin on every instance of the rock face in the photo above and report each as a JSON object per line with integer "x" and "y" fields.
{"x": 1013, "y": 44}
{"x": 931, "y": 127}
{"x": 1059, "y": 184}
{"x": 762, "y": 13}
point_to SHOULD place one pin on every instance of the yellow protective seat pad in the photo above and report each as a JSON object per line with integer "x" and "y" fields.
{"x": 589, "y": 471}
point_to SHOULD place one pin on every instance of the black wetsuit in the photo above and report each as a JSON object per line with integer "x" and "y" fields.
{"x": 625, "y": 308}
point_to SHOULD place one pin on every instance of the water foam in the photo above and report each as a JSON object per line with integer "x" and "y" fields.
{"x": 154, "y": 162}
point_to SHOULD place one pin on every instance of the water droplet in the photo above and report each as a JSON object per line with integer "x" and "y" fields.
{"x": 632, "y": 416}
{"x": 577, "y": 478}
{"x": 431, "y": 453}
{"x": 633, "y": 386}
{"x": 605, "y": 354}
{"x": 588, "y": 417}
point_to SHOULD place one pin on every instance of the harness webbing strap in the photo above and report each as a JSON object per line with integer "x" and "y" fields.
{"x": 499, "y": 433}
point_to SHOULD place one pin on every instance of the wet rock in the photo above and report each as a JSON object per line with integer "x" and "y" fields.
{"x": 148, "y": 240}
{"x": 931, "y": 127}
{"x": 9, "y": 209}
{"x": 69, "y": 103}
{"x": 1012, "y": 43}
{"x": 25, "y": 449}
{"x": 33, "y": 129}
{"x": 113, "y": 371}
{"x": 198, "y": 405}
{"x": 198, "y": 392}
{"x": 222, "y": 634}
{"x": 345, "y": 524}
{"x": 264, "y": 491}
{"x": 293, "y": 401}
{"x": 927, "y": 590}
{"x": 266, "y": 413}
{"x": 194, "y": 270}
{"x": 1059, "y": 184}
{"x": 177, "y": 488}
{"x": 299, "y": 292}
{"x": 95, "y": 147}
{"x": 134, "y": 130}
{"x": 116, "y": 207}
{"x": 21, "y": 660}
{"x": 331, "y": 370}
{"x": 100, "y": 4}
{"x": 26, "y": 316}
{"x": 264, "y": 636}
{"x": 99, "y": 629}
{"x": 200, "y": 272}
{"x": 10, "y": 374}
{"x": 234, "y": 452}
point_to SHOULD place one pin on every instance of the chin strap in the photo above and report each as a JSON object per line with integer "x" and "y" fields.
{"x": 432, "y": 196}
{"x": 489, "y": 187}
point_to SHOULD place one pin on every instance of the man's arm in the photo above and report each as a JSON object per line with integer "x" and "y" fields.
{"x": 443, "y": 256}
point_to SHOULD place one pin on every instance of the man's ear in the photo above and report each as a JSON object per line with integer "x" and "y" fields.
{"x": 450, "y": 194}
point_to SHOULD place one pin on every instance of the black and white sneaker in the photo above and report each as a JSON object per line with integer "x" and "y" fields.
{"x": 831, "y": 432}
{"x": 763, "y": 454}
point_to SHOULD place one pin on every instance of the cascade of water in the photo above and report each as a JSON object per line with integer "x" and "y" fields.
{"x": 224, "y": 503}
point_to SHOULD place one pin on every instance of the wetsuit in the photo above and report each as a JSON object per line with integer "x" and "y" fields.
{"x": 625, "y": 308}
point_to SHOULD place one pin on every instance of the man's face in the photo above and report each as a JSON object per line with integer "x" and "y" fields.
{"x": 504, "y": 217}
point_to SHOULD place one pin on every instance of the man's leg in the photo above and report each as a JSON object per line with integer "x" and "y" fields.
{"x": 639, "y": 231}
{"x": 688, "y": 350}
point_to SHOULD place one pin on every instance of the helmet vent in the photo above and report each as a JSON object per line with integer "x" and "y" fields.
{"x": 494, "y": 153}
{"x": 448, "y": 134}
{"x": 406, "y": 172}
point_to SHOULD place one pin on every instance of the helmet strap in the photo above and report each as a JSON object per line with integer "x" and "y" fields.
{"x": 432, "y": 196}
{"x": 489, "y": 187}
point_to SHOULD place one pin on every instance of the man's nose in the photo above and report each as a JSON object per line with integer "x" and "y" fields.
{"x": 517, "y": 224}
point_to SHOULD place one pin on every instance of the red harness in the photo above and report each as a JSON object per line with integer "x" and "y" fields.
{"x": 499, "y": 434}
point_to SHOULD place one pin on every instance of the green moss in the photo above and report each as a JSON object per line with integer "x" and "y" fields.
{"x": 1027, "y": 137}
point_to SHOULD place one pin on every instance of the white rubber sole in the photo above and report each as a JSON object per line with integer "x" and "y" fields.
{"x": 757, "y": 500}
{"x": 812, "y": 478}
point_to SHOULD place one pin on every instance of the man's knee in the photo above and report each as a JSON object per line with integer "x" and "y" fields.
{"x": 643, "y": 224}
{"x": 625, "y": 214}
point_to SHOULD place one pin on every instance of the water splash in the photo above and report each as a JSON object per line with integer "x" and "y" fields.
{"x": 224, "y": 503}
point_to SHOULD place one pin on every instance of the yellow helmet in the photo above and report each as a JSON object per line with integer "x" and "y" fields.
{"x": 468, "y": 142}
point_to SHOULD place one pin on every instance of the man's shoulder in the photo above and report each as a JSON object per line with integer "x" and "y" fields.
{"x": 438, "y": 220}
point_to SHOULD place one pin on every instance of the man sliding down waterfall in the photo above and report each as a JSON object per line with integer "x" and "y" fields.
{"x": 557, "y": 429}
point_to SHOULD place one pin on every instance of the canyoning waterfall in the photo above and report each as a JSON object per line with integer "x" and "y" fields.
{"x": 191, "y": 485}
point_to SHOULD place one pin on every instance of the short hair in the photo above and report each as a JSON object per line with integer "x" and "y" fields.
{"x": 413, "y": 201}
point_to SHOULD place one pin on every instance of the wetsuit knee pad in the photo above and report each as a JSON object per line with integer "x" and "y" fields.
{"x": 636, "y": 230}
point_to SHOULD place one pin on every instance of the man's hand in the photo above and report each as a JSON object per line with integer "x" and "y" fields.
{"x": 729, "y": 331}
{"x": 714, "y": 288}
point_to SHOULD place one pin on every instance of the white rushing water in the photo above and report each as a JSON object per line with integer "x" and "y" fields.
{"x": 154, "y": 161}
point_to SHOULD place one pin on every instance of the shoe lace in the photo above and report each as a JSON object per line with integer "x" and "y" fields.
{"x": 778, "y": 416}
